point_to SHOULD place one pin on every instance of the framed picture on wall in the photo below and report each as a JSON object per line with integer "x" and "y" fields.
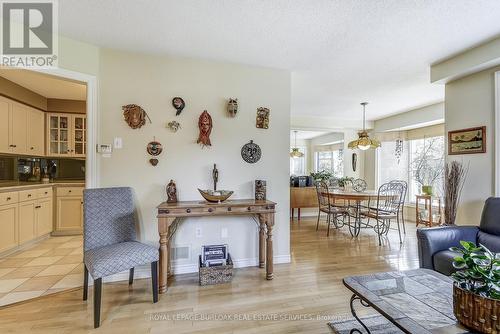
{"x": 467, "y": 141}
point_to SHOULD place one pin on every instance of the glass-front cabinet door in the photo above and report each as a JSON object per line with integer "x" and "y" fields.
{"x": 79, "y": 134}
{"x": 59, "y": 136}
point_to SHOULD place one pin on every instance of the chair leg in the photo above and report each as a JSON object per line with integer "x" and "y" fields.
{"x": 317, "y": 223}
{"x": 378, "y": 233}
{"x": 403, "y": 220}
{"x": 399, "y": 229}
{"x": 154, "y": 280}
{"x": 131, "y": 276}
{"x": 328, "y": 227}
{"x": 85, "y": 282}
{"x": 97, "y": 302}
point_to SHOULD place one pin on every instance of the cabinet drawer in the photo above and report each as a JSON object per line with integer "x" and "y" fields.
{"x": 44, "y": 193}
{"x": 69, "y": 191}
{"x": 27, "y": 195}
{"x": 9, "y": 197}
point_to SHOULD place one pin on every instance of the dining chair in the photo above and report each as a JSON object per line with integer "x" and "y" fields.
{"x": 325, "y": 204}
{"x": 403, "y": 200}
{"x": 386, "y": 209}
{"x": 109, "y": 241}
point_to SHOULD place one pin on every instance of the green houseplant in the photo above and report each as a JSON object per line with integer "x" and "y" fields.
{"x": 476, "y": 292}
{"x": 321, "y": 176}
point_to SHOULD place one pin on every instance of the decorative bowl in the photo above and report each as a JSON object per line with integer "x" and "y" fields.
{"x": 215, "y": 196}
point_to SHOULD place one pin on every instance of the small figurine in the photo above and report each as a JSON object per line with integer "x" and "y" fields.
{"x": 179, "y": 104}
{"x": 260, "y": 190}
{"x": 215, "y": 176}
{"x": 232, "y": 107}
{"x": 173, "y": 126}
{"x": 171, "y": 192}
{"x": 135, "y": 116}
{"x": 205, "y": 126}
{"x": 262, "y": 121}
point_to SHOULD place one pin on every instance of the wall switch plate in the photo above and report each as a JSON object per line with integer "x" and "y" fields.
{"x": 117, "y": 142}
{"x": 223, "y": 233}
{"x": 198, "y": 232}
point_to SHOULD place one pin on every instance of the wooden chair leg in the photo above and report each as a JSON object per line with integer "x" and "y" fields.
{"x": 131, "y": 276}
{"x": 85, "y": 282}
{"x": 298, "y": 214}
{"x": 97, "y": 302}
{"x": 154, "y": 280}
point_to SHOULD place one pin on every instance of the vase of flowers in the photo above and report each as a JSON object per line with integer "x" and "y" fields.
{"x": 476, "y": 291}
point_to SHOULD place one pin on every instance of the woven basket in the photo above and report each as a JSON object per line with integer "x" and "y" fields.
{"x": 216, "y": 274}
{"x": 475, "y": 312}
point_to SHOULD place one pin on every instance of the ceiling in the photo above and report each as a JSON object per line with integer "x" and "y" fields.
{"x": 46, "y": 85}
{"x": 303, "y": 134}
{"x": 340, "y": 52}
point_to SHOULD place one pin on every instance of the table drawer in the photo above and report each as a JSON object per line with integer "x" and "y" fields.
{"x": 9, "y": 197}
{"x": 69, "y": 191}
{"x": 44, "y": 192}
{"x": 27, "y": 195}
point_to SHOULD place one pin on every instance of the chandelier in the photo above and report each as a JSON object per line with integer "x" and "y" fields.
{"x": 295, "y": 150}
{"x": 364, "y": 142}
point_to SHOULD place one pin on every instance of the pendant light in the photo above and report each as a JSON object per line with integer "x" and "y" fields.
{"x": 295, "y": 150}
{"x": 364, "y": 142}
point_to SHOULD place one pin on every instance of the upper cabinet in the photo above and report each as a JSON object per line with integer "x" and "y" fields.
{"x": 22, "y": 128}
{"x": 66, "y": 135}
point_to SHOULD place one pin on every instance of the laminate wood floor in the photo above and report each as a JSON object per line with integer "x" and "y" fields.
{"x": 302, "y": 298}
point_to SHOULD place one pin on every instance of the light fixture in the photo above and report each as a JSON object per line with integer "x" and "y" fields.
{"x": 364, "y": 142}
{"x": 295, "y": 150}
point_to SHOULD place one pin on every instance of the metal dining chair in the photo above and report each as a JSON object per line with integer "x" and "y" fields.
{"x": 327, "y": 205}
{"x": 402, "y": 204}
{"x": 109, "y": 241}
{"x": 386, "y": 209}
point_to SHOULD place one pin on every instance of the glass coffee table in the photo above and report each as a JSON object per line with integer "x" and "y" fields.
{"x": 416, "y": 301}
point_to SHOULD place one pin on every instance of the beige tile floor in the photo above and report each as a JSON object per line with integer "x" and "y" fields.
{"x": 52, "y": 265}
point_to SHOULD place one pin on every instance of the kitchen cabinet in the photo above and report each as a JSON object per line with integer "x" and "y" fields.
{"x": 36, "y": 132}
{"x": 66, "y": 135}
{"x": 44, "y": 217}
{"x": 4, "y": 125}
{"x": 8, "y": 225}
{"x": 69, "y": 210}
{"x": 27, "y": 219}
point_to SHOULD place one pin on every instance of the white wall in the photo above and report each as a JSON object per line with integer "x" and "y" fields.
{"x": 152, "y": 81}
{"x": 470, "y": 102}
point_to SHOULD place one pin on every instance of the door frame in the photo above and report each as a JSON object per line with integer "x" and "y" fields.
{"x": 496, "y": 129}
{"x": 91, "y": 161}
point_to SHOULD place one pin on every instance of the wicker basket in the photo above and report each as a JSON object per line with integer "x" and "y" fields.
{"x": 216, "y": 274}
{"x": 476, "y": 312}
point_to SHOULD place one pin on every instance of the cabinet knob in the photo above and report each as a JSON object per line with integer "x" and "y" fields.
{"x": 188, "y": 210}
{"x": 13, "y": 145}
{"x": 29, "y": 195}
{"x": 8, "y": 198}
{"x": 46, "y": 192}
{"x": 229, "y": 209}
{"x": 32, "y": 148}
{"x": 249, "y": 208}
{"x": 69, "y": 191}
{"x": 210, "y": 210}
{"x": 38, "y": 207}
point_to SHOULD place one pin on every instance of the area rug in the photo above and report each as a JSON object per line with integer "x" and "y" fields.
{"x": 376, "y": 323}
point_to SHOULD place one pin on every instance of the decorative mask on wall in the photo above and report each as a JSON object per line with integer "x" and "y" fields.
{"x": 154, "y": 148}
{"x": 171, "y": 192}
{"x": 260, "y": 190}
{"x": 135, "y": 116}
{"x": 262, "y": 121}
{"x": 179, "y": 104}
{"x": 250, "y": 152}
{"x": 205, "y": 126}
{"x": 173, "y": 126}
{"x": 354, "y": 161}
{"x": 232, "y": 107}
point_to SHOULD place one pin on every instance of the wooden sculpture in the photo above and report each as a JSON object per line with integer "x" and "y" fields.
{"x": 205, "y": 126}
{"x": 171, "y": 192}
{"x": 135, "y": 116}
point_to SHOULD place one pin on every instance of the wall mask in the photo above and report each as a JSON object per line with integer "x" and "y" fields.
{"x": 354, "y": 162}
{"x": 179, "y": 104}
{"x": 205, "y": 126}
{"x": 173, "y": 126}
{"x": 135, "y": 116}
{"x": 154, "y": 148}
{"x": 232, "y": 107}
{"x": 260, "y": 190}
{"x": 250, "y": 152}
{"x": 262, "y": 121}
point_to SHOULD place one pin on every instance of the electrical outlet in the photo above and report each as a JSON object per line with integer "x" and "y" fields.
{"x": 198, "y": 232}
{"x": 223, "y": 233}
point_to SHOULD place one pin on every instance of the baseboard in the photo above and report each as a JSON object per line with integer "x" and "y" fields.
{"x": 178, "y": 269}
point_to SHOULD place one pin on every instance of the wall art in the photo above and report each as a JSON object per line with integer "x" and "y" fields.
{"x": 153, "y": 161}
{"x": 260, "y": 190}
{"x": 232, "y": 107}
{"x": 173, "y": 126}
{"x": 171, "y": 192}
{"x": 179, "y": 104}
{"x": 467, "y": 141}
{"x": 262, "y": 121}
{"x": 354, "y": 161}
{"x": 135, "y": 116}
{"x": 205, "y": 126}
{"x": 359, "y": 185}
{"x": 154, "y": 148}
{"x": 250, "y": 152}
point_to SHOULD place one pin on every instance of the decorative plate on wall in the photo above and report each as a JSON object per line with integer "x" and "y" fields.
{"x": 154, "y": 148}
{"x": 250, "y": 152}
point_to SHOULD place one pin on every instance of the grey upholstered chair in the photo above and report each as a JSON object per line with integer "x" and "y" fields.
{"x": 109, "y": 241}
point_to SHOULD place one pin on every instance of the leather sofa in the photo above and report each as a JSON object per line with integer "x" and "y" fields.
{"x": 434, "y": 243}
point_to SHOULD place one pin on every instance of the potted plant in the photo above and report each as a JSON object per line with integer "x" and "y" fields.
{"x": 345, "y": 181}
{"x": 321, "y": 176}
{"x": 476, "y": 291}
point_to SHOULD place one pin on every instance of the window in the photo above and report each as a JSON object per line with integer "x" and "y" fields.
{"x": 421, "y": 163}
{"x": 331, "y": 161}
{"x": 298, "y": 165}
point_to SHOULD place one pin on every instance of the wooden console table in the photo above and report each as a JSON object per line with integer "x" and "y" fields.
{"x": 171, "y": 214}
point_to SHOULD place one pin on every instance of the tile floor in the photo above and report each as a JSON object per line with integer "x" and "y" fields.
{"x": 52, "y": 265}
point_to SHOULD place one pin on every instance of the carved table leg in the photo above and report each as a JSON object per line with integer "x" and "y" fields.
{"x": 269, "y": 246}
{"x": 164, "y": 231}
{"x": 353, "y": 312}
{"x": 262, "y": 241}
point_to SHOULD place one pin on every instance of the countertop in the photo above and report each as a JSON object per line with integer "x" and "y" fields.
{"x": 21, "y": 185}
